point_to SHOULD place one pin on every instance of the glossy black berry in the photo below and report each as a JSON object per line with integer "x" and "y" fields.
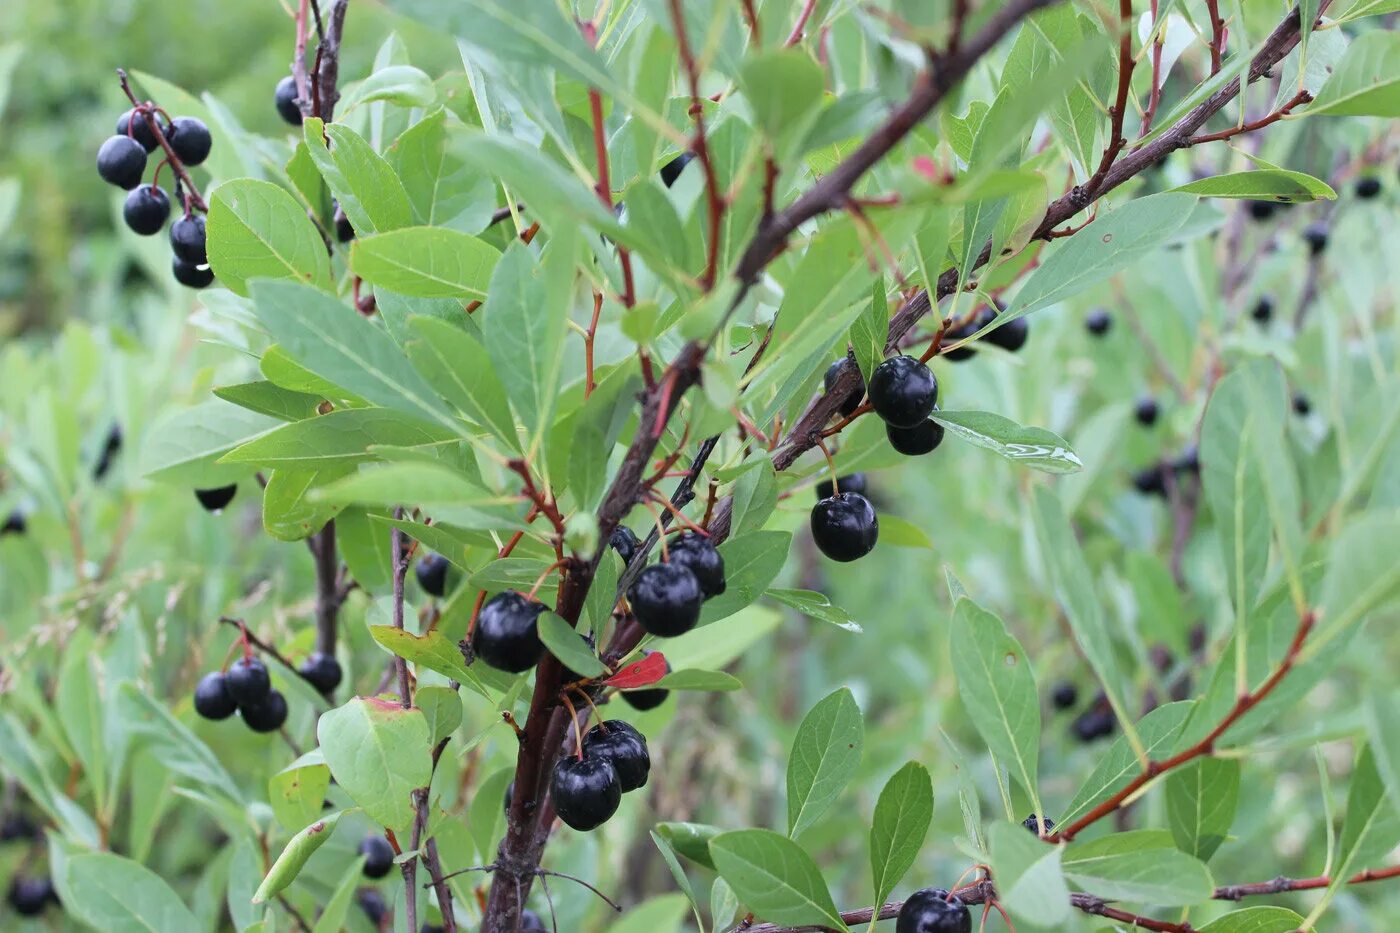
{"x": 29, "y": 896}
{"x": 625, "y": 542}
{"x": 17, "y": 826}
{"x": 286, "y": 98}
{"x": 672, "y": 170}
{"x": 1012, "y": 335}
{"x": 903, "y": 391}
{"x": 110, "y": 448}
{"x": 1315, "y": 235}
{"x": 146, "y": 210}
{"x": 248, "y": 681}
{"x": 379, "y": 856}
{"x": 620, "y": 743}
{"x": 530, "y": 922}
{"x": 1035, "y": 826}
{"x": 984, "y": 316}
{"x": 698, "y": 554}
{"x": 1301, "y": 404}
{"x": 1098, "y": 322}
{"x": 15, "y": 523}
{"x": 344, "y": 230}
{"x": 215, "y": 499}
{"x": 845, "y": 527}
{"x": 187, "y": 240}
{"x": 1064, "y": 695}
{"x": 432, "y": 574}
{"x": 267, "y": 715}
{"x": 321, "y": 671}
{"x": 121, "y": 161}
{"x": 666, "y": 600}
{"x": 190, "y": 139}
{"x": 1263, "y": 310}
{"x": 1146, "y": 411}
{"x": 506, "y": 636}
{"x": 1093, "y": 724}
{"x": 191, "y": 275}
{"x": 933, "y": 910}
{"x": 212, "y": 698}
{"x": 1262, "y": 210}
{"x": 855, "y": 482}
{"x": 1150, "y": 481}
{"x": 586, "y": 791}
{"x": 852, "y": 401}
{"x": 141, "y": 131}
{"x": 649, "y": 697}
{"x": 916, "y": 441}
{"x": 372, "y": 903}
{"x": 1368, "y": 187}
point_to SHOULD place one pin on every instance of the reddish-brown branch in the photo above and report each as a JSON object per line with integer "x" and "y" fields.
{"x": 1302, "y": 97}
{"x": 714, "y": 197}
{"x": 751, "y": 19}
{"x": 588, "y": 384}
{"x": 799, "y": 28}
{"x": 1155, "y": 96}
{"x": 1217, "y": 36}
{"x": 147, "y": 110}
{"x": 299, "y": 75}
{"x": 604, "y": 186}
{"x": 1118, "y": 111}
{"x": 1236, "y": 892}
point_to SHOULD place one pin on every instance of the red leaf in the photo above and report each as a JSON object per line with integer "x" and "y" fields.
{"x": 641, "y": 673}
{"x": 926, "y": 167}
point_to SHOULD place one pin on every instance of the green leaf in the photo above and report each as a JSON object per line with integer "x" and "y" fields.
{"x": 1030, "y": 883}
{"x": 1033, "y": 447}
{"x": 272, "y": 400}
{"x": 1201, "y": 802}
{"x": 1142, "y": 866}
{"x": 257, "y": 230}
{"x": 118, "y": 895}
{"x": 1382, "y": 715}
{"x": 343, "y": 437}
{"x": 337, "y": 343}
{"x": 568, "y": 647}
{"x": 1366, "y": 82}
{"x": 661, "y": 914}
{"x": 184, "y": 447}
{"x": 442, "y": 707}
{"x": 294, "y": 855}
{"x": 668, "y": 855}
{"x": 444, "y": 192}
{"x": 754, "y": 497}
{"x": 784, "y": 88}
{"x": 825, "y": 755}
{"x": 433, "y": 487}
{"x": 378, "y": 753}
{"x": 704, "y": 681}
{"x": 456, "y": 364}
{"x": 1273, "y": 184}
{"x": 367, "y": 189}
{"x": 870, "y": 331}
{"x": 298, "y": 790}
{"x": 1158, "y": 731}
{"x": 900, "y": 532}
{"x": 290, "y": 510}
{"x": 1371, "y": 827}
{"x": 751, "y": 562}
{"x": 816, "y": 605}
{"x": 332, "y": 918}
{"x": 398, "y": 84}
{"x": 431, "y": 650}
{"x": 524, "y": 335}
{"x": 691, "y": 840}
{"x": 998, "y": 690}
{"x": 901, "y": 821}
{"x": 1255, "y": 920}
{"x": 1362, "y": 575}
{"x": 774, "y": 877}
{"x": 426, "y": 262}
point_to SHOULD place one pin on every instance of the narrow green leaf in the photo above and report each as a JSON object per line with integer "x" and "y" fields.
{"x": 565, "y": 644}
{"x": 1367, "y": 80}
{"x": 367, "y": 189}
{"x": 775, "y": 878}
{"x": 294, "y": 855}
{"x": 704, "y": 681}
{"x": 824, "y": 758}
{"x": 816, "y": 605}
{"x": 1030, "y": 883}
{"x": 1201, "y": 802}
{"x": 119, "y": 895}
{"x": 901, "y": 821}
{"x": 1255, "y": 920}
{"x": 1272, "y": 184}
{"x": 298, "y": 790}
{"x": 1142, "y": 866}
{"x": 342, "y": 438}
{"x": 426, "y": 262}
{"x": 691, "y": 840}
{"x": 1033, "y": 447}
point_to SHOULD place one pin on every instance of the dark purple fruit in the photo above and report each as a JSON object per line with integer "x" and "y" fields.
{"x": 1012, "y": 335}
{"x": 852, "y": 401}
{"x": 672, "y": 169}
{"x": 1368, "y": 187}
{"x": 212, "y": 698}
{"x": 29, "y": 896}
{"x": 586, "y": 791}
{"x": 267, "y": 715}
{"x": 215, "y": 499}
{"x": 286, "y": 99}
{"x": 344, "y": 230}
{"x": 625, "y": 542}
{"x": 1064, "y": 695}
{"x": 1098, "y": 322}
{"x": 432, "y": 574}
{"x": 530, "y": 922}
{"x": 190, "y": 139}
{"x": 110, "y": 448}
{"x": 141, "y": 130}
{"x": 1301, "y": 404}
{"x": 666, "y": 599}
{"x": 933, "y": 910}
{"x": 845, "y": 527}
{"x": 972, "y": 325}
{"x": 1146, "y": 411}
{"x": 1315, "y": 235}
{"x": 1035, "y": 826}
{"x": 698, "y": 554}
{"x": 146, "y": 210}
{"x": 379, "y": 856}
{"x": 506, "y": 636}
{"x": 187, "y": 239}
{"x": 372, "y": 903}
{"x": 1262, "y": 210}
{"x": 121, "y": 161}
{"x": 191, "y": 275}
{"x": 621, "y": 744}
{"x": 916, "y": 441}
{"x": 1094, "y": 724}
{"x": 321, "y": 671}
{"x": 1263, "y": 310}
{"x": 903, "y": 391}
{"x": 248, "y": 681}
{"x": 15, "y": 523}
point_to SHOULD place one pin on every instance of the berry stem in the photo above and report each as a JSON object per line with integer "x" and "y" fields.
{"x": 147, "y": 111}
{"x": 396, "y": 539}
{"x": 573, "y": 718}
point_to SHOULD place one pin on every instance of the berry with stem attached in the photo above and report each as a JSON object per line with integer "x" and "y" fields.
{"x": 586, "y": 791}
{"x": 916, "y": 441}
{"x": 1041, "y": 827}
{"x": 972, "y": 325}
{"x": 621, "y": 744}
{"x": 146, "y": 210}
{"x": 121, "y": 161}
{"x": 248, "y": 681}
{"x": 903, "y": 391}
{"x": 212, "y": 698}
{"x": 432, "y": 574}
{"x": 379, "y": 856}
{"x": 845, "y": 527}
{"x": 214, "y": 500}
{"x": 1315, "y": 235}
{"x": 666, "y": 599}
{"x": 649, "y": 697}
{"x": 141, "y": 130}
{"x": 286, "y": 99}
{"x": 268, "y": 715}
{"x": 855, "y": 482}
{"x": 321, "y": 671}
{"x": 1098, "y": 322}
{"x": 625, "y": 542}
{"x": 506, "y": 636}
{"x": 190, "y": 140}
{"x": 190, "y": 274}
{"x": 852, "y": 401}
{"x": 187, "y": 240}
{"x": 698, "y": 554}
{"x": 933, "y": 910}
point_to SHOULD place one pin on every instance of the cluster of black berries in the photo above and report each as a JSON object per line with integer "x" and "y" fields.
{"x": 933, "y": 910}
{"x": 1011, "y": 336}
{"x": 1035, "y": 825}
{"x": 588, "y": 787}
{"x": 246, "y": 688}
{"x": 122, "y": 162}
{"x": 666, "y": 597}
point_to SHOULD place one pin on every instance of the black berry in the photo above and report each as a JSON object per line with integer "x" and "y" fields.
{"x": 1146, "y": 411}
{"x": 1315, "y": 235}
{"x": 1093, "y": 724}
{"x": 933, "y": 910}
{"x": 146, "y": 210}
{"x": 1189, "y": 461}
{"x": 915, "y": 441}
{"x": 379, "y": 856}
{"x": 344, "y": 230}
{"x": 625, "y": 542}
{"x": 845, "y": 527}
{"x": 15, "y": 523}
{"x": 1263, "y": 310}
{"x": 1150, "y": 481}
{"x": 212, "y": 698}
{"x": 621, "y": 744}
{"x": 648, "y": 698}
{"x": 187, "y": 240}
{"x": 672, "y": 170}
{"x": 110, "y": 448}
{"x": 1301, "y": 404}
{"x": 506, "y": 636}
{"x": 321, "y": 671}
{"x": 855, "y": 482}
{"x": 1368, "y": 187}
{"x": 698, "y": 554}
{"x": 141, "y": 130}
{"x": 190, "y": 139}
{"x": 530, "y": 922}
{"x": 586, "y": 791}
{"x": 191, "y": 275}
{"x": 121, "y": 161}
{"x": 29, "y": 896}
{"x": 852, "y": 401}
{"x": 1262, "y": 210}
{"x": 1064, "y": 695}
{"x": 267, "y": 715}
{"x": 903, "y": 391}
{"x": 666, "y": 599}
{"x": 972, "y": 325}
{"x": 1034, "y": 825}
{"x": 372, "y": 903}
{"x": 1012, "y": 335}
{"x": 248, "y": 681}
{"x": 216, "y": 499}
{"x": 1098, "y": 322}
{"x": 17, "y": 826}
{"x": 286, "y": 98}
{"x": 432, "y": 574}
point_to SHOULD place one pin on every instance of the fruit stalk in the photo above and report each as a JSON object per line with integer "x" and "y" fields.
{"x": 176, "y": 166}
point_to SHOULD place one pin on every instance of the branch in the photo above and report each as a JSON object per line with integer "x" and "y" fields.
{"x": 329, "y": 594}
{"x": 328, "y": 63}
{"x": 1126, "y": 63}
{"x": 714, "y": 199}
{"x": 1236, "y": 892}
{"x": 146, "y": 111}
